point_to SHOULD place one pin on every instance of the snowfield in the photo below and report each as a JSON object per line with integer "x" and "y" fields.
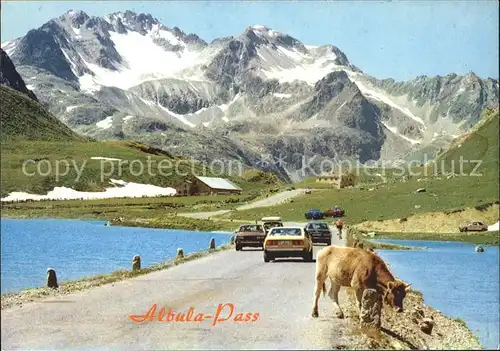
{"x": 121, "y": 189}
{"x": 282, "y": 96}
{"x": 105, "y": 123}
{"x": 146, "y": 64}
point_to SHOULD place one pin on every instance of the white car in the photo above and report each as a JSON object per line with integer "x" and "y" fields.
{"x": 288, "y": 242}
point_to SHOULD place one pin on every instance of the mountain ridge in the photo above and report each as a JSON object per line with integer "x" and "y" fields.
{"x": 260, "y": 78}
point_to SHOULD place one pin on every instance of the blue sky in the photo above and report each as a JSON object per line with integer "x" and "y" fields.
{"x": 397, "y": 39}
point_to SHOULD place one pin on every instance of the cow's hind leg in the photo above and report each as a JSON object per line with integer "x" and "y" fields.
{"x": 334, "y": 296}
{"x": 320, "y": 285}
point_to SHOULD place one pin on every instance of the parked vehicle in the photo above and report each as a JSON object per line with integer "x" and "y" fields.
{"x": 334, "y": 212}
{"x": 271, "y": 222}
{"x": 473, "y": 226}
{"x": 314, "y": 214}
{"x": 320, "y": 232}
{"x": 249, "y": 235}
{"x": 288, "y": 242}
{"x": 308, "y": 191}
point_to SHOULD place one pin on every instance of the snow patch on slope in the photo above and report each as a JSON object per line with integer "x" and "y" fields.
{"x": 144, "y": 60}
{"x": 158, "y": 32}
{"x": 9, "y": 46}
{"x": 181, "y": 118}
{"x": 305, "y": 68}
{"x": 88, "y": 84}
{"x": 71, "y": 108}
{"x": 282, "y": 96}
{"x": 371, "y": 92}
{"x": 395, "y": 131}
{"x": 105, "y": 158}
{"x": 224, "y": 107}
{"x": 77, "y": 32}
{"x": 126, "y": 190}
{"x": 105, "y": 123}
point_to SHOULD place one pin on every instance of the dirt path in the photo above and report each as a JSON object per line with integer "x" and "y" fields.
{"x": 273, "y": 199}
{"x": 269, "y": 201}
{"x": 280, "y": 291}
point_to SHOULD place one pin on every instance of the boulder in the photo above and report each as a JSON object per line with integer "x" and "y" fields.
{"x": 417, "y": 314}
{"x": 479, "y": 248}
{"x": 426, "y": 325}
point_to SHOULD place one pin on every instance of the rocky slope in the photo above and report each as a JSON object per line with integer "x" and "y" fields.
{"x": 21, "y": 115}
{"x": 261, "y": 98}
{"x": 11, "y": 78}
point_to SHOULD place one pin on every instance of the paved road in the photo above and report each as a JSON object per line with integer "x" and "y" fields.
{"x": 273, "y": 199}
{"x": 281, "y": 292}
{"x": 269, "y": 201}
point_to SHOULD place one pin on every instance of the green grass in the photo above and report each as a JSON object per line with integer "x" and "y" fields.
{"x": 365, "y": 176}
{"x": 483, "y": 238}
{"x": 96, "y": 173}
{"x": 391, "y": 200}
{"x": 131, "y": 208}
{"x": 14, "y": 154}
{"x": 178, "y": 222}
{"x": 481, "y": 144}
{"x": 22, "y": 117}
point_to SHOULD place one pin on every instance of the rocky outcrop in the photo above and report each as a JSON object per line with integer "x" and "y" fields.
{"x": 10, "y": 77}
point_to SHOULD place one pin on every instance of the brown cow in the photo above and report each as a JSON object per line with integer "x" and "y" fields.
{"x": 359, "y": 269}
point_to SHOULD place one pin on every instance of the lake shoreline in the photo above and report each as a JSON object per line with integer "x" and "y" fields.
{"x": 12, "y": 299}
{"x": 481, "y": 238}
{"x": 453, "y": 333}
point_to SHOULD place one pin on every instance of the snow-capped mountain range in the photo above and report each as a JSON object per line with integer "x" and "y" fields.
{"x": 127, "y": 75}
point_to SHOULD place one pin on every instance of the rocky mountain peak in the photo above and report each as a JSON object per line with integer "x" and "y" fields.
{"x": 262, "y": 35}
{"x": 77, "y": 18}
{"x": 190, "y": 38}
{"x": 128, "y": 20}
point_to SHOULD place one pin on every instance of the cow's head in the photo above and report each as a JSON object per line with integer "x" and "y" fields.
{"x": 395, "y": 294}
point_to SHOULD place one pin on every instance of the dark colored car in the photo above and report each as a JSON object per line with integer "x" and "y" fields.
{"x": 314, "y": 214}
{"x": 249, "y": 235}
{"x": 334, "y": 212}
{"x": 320, "y": 232}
